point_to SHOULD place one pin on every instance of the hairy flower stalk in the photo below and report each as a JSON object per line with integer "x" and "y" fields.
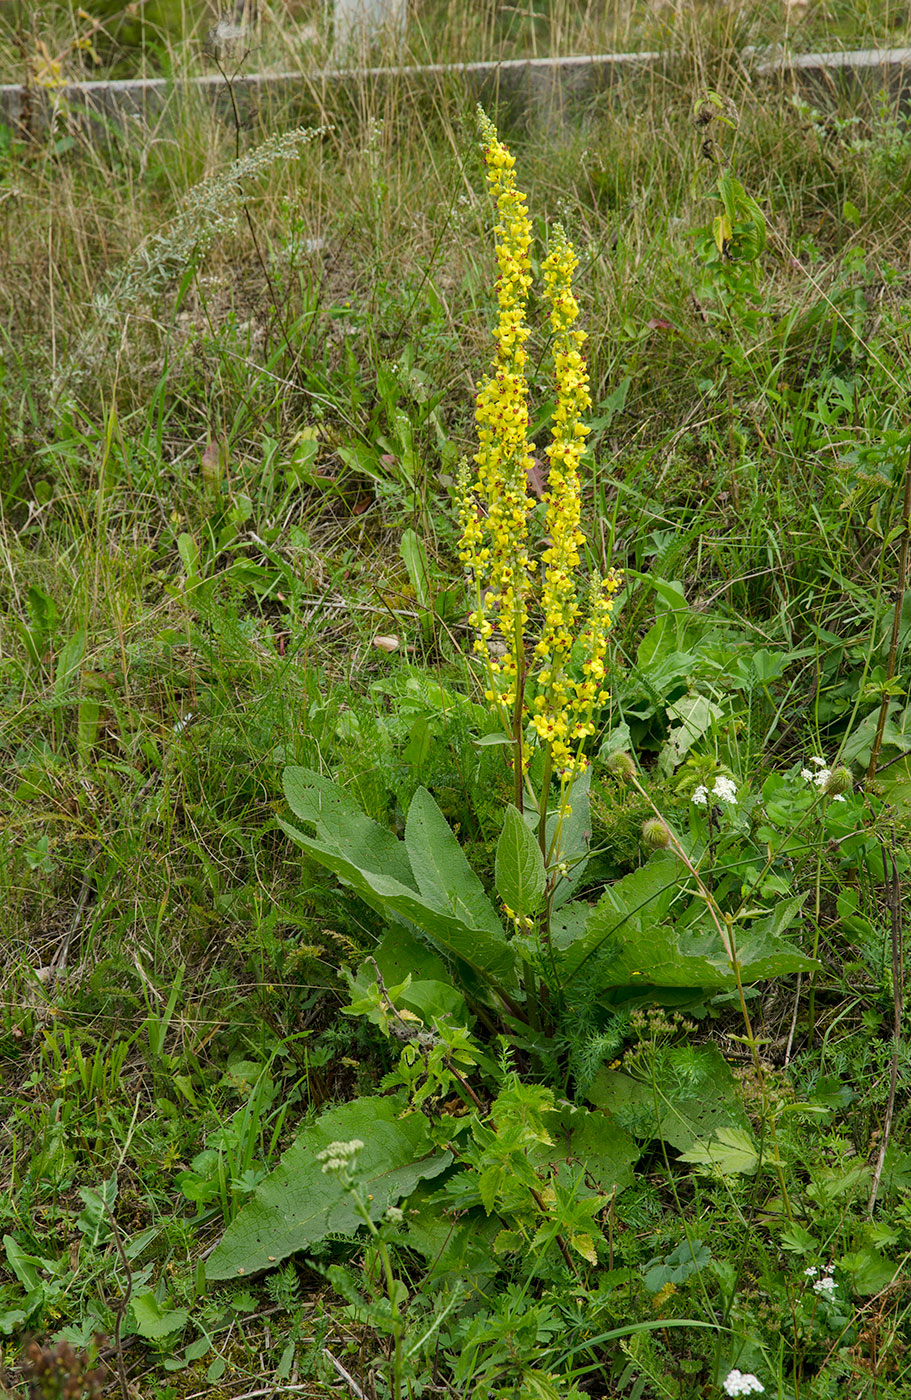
{"x": 547, "y": 692}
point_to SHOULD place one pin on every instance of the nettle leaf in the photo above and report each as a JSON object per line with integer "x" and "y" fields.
{"x": 298, "y": 1204}
{"x": 692, "y": 1097}
{"x": 520, "y": 876}
{"x": 441, "y": 869}
{"x": 731, "y": 1151}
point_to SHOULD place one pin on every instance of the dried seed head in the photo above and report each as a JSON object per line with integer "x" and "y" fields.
{"x": 620, "y": 765}
{"x": 838, "y": 782}
{"x": 655, "y": 834}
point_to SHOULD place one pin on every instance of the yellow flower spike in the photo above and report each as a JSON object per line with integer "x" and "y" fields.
{"x": 553, "y": 707}
{"x": 494, "y": 517}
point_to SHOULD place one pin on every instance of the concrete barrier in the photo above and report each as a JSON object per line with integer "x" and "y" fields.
{"x": 538, "y": 91}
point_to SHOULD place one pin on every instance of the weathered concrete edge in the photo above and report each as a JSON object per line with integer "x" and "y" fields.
{"x": 848, "y": 59}
{"x": 537, "y": 81}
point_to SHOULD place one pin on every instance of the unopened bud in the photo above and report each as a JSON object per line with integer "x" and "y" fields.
{"x": 839, "y": 781}
{"x": 620, "y": 765}
{"x": 655, "y": 834}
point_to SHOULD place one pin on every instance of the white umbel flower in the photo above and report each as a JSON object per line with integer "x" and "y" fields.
{"x": 742, "y": 1383}
{"x": 724, "y": 790}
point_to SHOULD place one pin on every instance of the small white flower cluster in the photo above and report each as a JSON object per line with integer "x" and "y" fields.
{"x": 742, "y": 1383}
{"x": 724, "y": 791}
{"x": 821, "y": 777}
{"x": 825, "y": 1285}
{"x": 339, "y": 1156}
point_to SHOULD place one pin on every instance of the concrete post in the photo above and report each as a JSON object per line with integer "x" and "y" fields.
{"x": 360, "y": 25}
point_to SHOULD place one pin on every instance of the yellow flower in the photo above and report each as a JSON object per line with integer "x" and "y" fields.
{"x": 494, "y": 509}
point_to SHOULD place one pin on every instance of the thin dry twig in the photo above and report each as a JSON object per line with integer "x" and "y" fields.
{"x": 58, "y": 961}
{"x": 896, "y": 620}
{"x": 790, "y": 1044}
{"x": 121, "y": 1309}
{"x": 345, "y": 1375}
{"x": 895, "y": 911}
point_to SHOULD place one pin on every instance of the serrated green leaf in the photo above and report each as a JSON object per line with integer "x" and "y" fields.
{"x": 731, "y": 1151}
{"x": 298, "y": 1204}
{"x": 519, "y": 873}
{"x": 509, "y": 1242}
{"x": 154, "y": 1322}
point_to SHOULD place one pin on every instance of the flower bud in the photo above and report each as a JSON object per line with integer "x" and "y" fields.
{"x": 620, "y": 765}
{"x": 838, "y": 782}
{"x": 655, "y": 834}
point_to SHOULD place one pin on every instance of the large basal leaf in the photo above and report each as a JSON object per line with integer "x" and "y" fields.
{"x": 492, "y": 957}
{"x": 401, "y": 955}
{"x": 762, "y": 953}
{"x": 441, "y": 869}
{"x": 692, "y": 1097}
{"x": 519, "y": 875}
{"x": 575, "y": 838}
{"x": 341, "y": 824}
{"x": 298, "y": 1204}
{"x": 638, "y": 901}
{"x": 648, "y": 951}
{"x": 659, "y": 957}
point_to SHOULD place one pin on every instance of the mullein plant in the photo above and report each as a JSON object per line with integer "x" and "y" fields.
{"x": 545, "y": 688}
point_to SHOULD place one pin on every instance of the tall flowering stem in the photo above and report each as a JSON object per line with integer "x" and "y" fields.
{"x": 563, "y": 708}
{"x": 546, "y": 691}
{"x": 495, "y": 510}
